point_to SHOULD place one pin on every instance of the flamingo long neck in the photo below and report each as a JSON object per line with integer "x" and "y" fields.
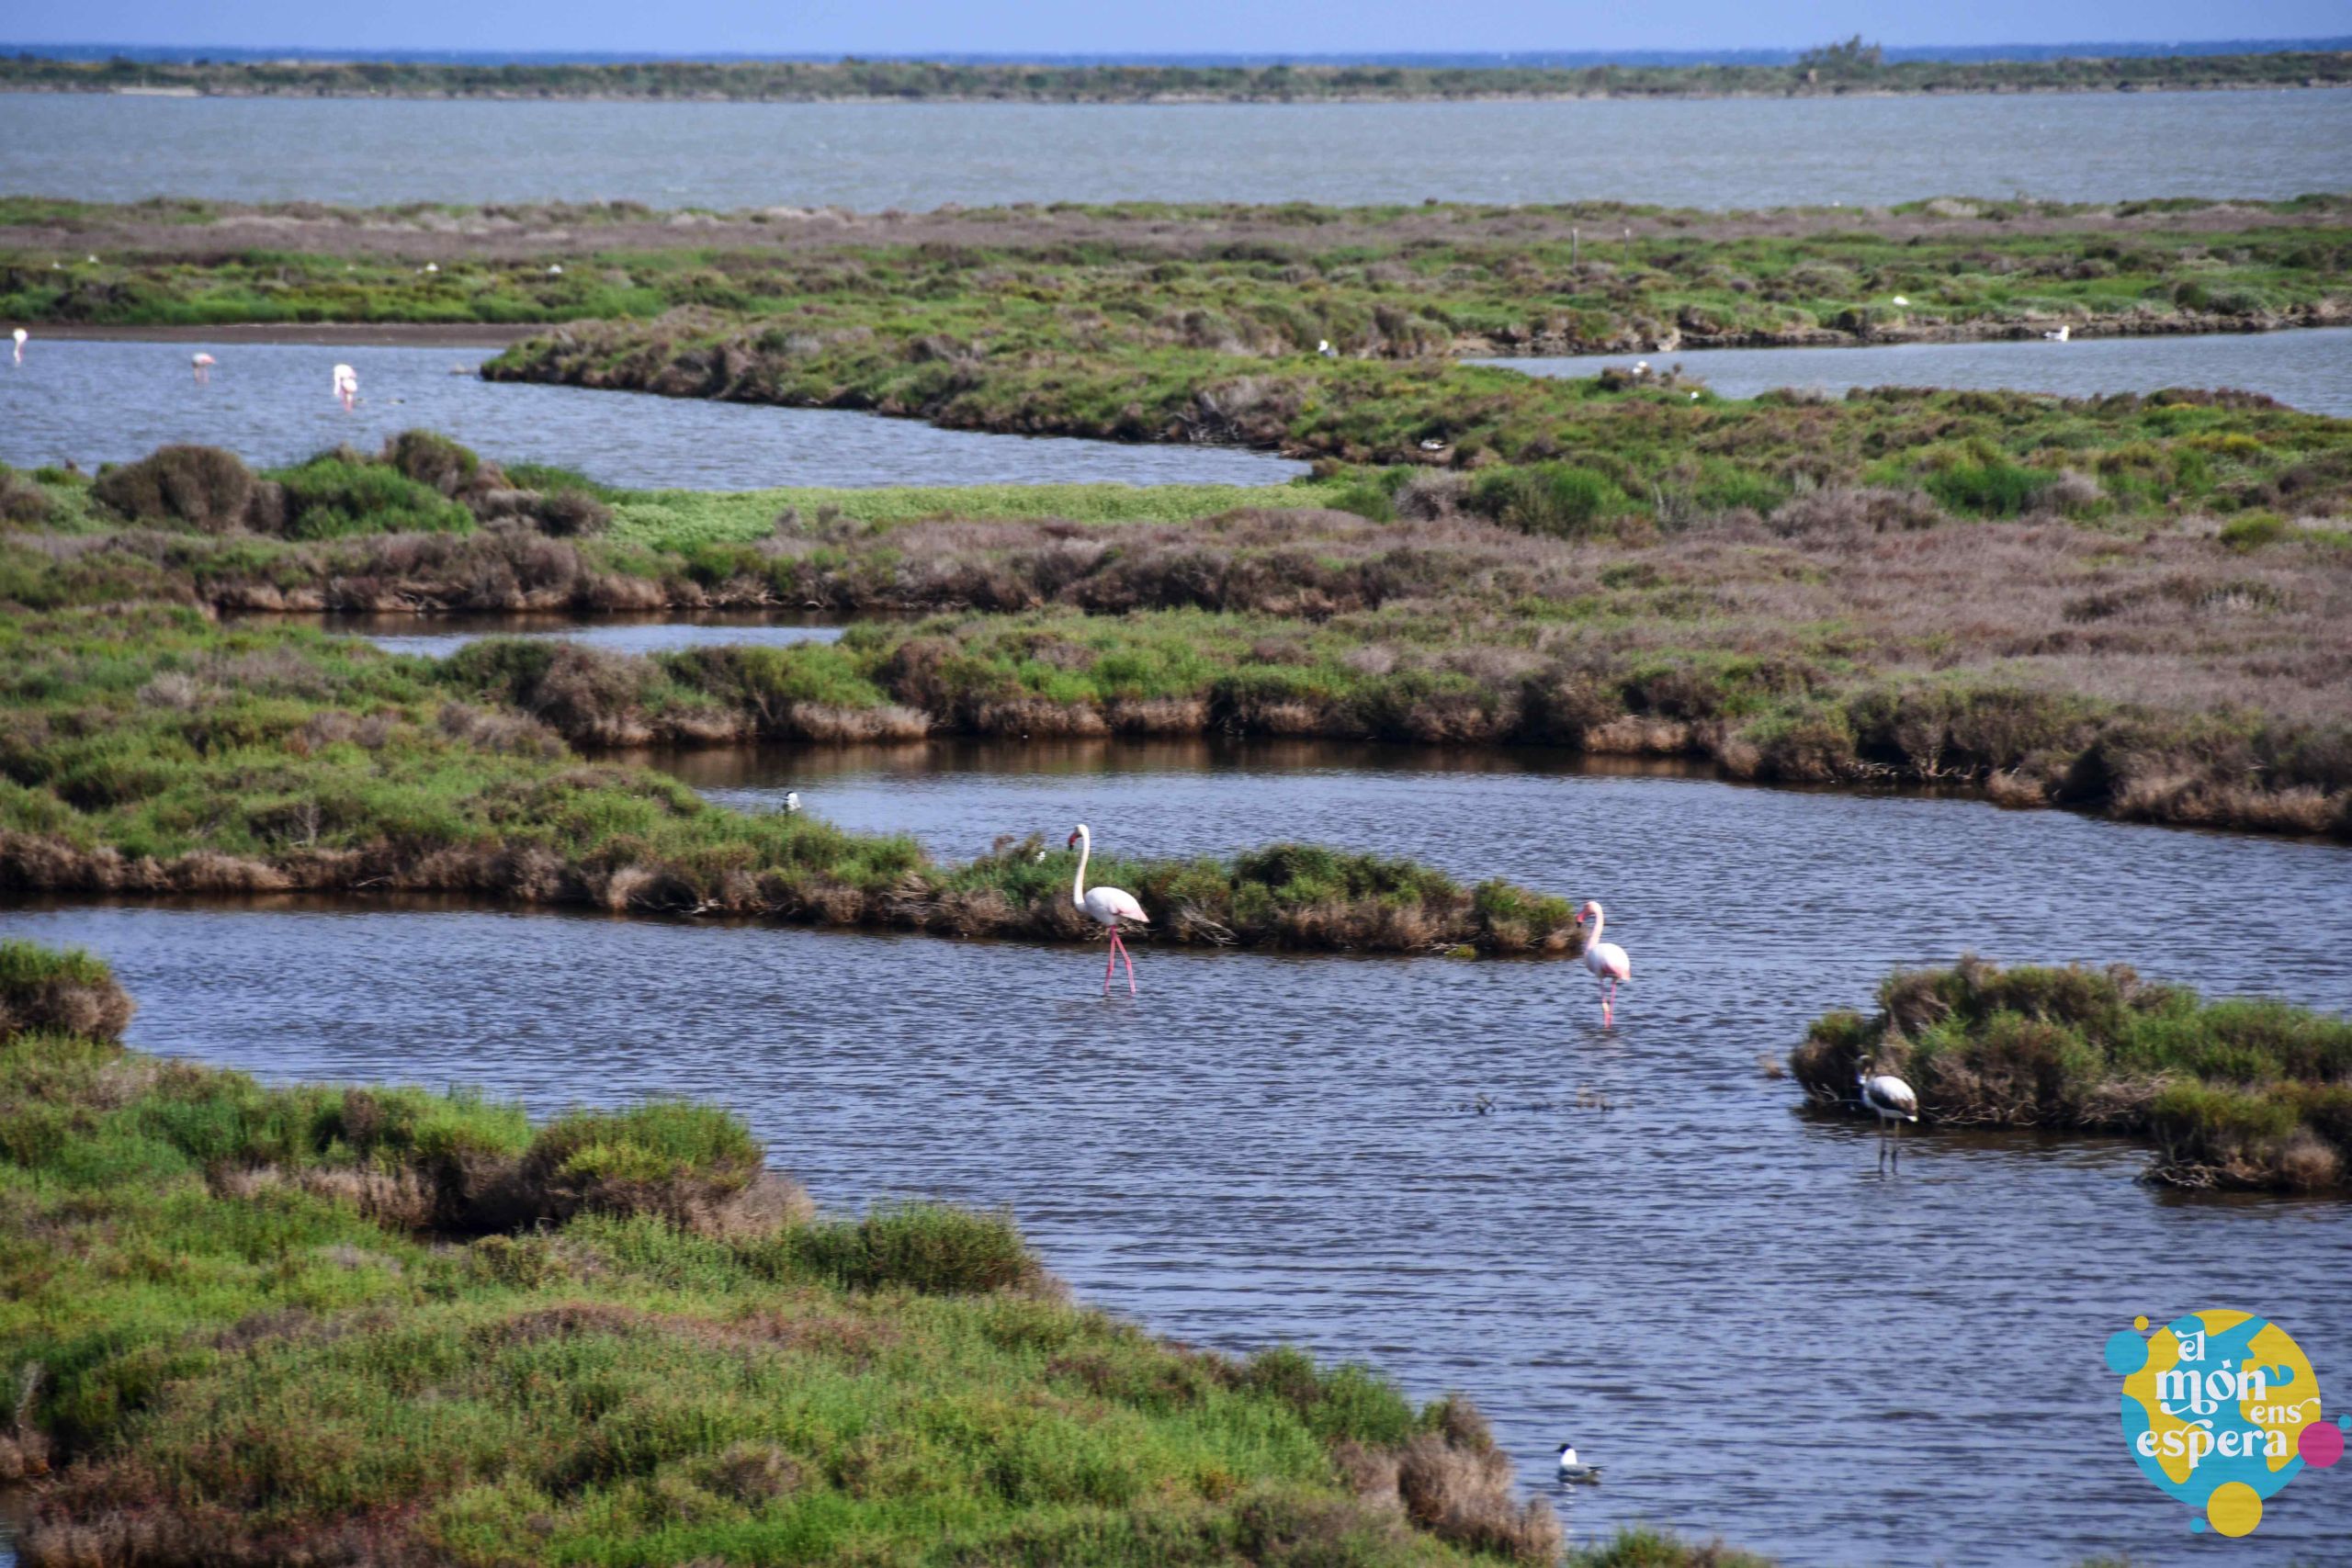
{"x": 1598, "y": 920}
{"x": 1078, "y": 883}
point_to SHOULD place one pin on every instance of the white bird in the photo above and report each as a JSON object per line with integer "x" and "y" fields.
{"x": 1432, "y": 444}
{"x": 1323, "y": 347}
{"x": 346, "y": 386}
{"x": 1900, "y": 301}
{"x": 20, "y": 335}
{"x": 203, "y": 364}
{"x": 94, "y": 261}
{"x": 1108, "y": 905}
{"x": 1895, "y": 1102}
{"x": 791, "y": 801}
{"x": 1573, "y": 1469}
{"x": 555, "y": 269}
{"x": 2060, "y": 335}
{"x": 1607, "y": 961}
{"x": 430, "y": 266}
{"x": 1695, "y": 397}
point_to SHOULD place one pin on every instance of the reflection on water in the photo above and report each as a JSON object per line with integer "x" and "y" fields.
{"x": 272, "y": 403}
{"x": 1711, "y": 1295}
{"x": 661, "y": 633}
{"x": 1737, "y": 152}
{"x": 2311, "y": 370}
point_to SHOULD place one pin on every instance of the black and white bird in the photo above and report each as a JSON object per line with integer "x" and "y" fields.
{"x": 1894, "y": 1103}
{"x": 1576, "y": 1469}
{"x": 791, "y": 801}
{"x": 1323, "y": 347}
{"x": 2060, "y": 335}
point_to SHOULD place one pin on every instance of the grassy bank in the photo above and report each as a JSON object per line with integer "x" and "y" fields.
{"x": 2232, "y": 1093}
{"x": 1833, "y": 70}
{"x": 2085, "y": 652}
{"x": 841, "y": 293}
{"x": 147, "y": 751}
{"x": 382, "y": 1325}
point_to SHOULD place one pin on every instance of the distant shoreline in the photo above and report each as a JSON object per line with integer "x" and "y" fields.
{"x": 1830, "y": 74}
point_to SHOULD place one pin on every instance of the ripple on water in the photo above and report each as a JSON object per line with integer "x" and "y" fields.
{"x": 1711, "y": 1294}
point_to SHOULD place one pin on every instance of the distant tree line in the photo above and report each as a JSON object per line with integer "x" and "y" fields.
{"x": 1851, "y": 66}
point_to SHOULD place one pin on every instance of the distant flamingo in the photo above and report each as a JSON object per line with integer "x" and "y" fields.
{"x": 20, "y": 334}
{"x": 346, "y": 386}
{"x": 204, "y": 364}
{"x": 1606, "y": 959}
{"x": 1895, "y": 1102}
{"x": 1107, "y": 905}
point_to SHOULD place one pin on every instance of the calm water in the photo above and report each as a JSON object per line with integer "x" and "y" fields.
{"x": 615, "y": 634}
{"x": 1746, "y": 153}
{"x": 1715, "y": 1297}
{"x": 274, "y": 404}
{"x": 2311, "y": 370}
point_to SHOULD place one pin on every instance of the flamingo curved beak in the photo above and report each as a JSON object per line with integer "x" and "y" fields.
{"x": 1071, "y": 843}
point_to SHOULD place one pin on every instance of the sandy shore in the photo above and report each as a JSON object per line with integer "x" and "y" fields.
{"x": 356, "y": 334}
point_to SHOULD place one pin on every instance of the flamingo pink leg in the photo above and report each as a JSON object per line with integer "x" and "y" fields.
{"x": 1110, "y": 964}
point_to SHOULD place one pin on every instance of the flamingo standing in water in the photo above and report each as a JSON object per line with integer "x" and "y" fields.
{"x": 204, "y": 364}
{"x": 1107, "y": 905}
{"x": 1606, "y": 959}
{"x": 346, "y": 386}
{"x": 1895, "y": 1102}
{"x": 20, "y": 335}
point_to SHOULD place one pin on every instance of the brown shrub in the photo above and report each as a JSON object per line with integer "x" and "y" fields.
{"x": 201, "y": 486}
{"x": 23, "y": 504}
{"x": 95, "y": 1008}
{"x": 1464, "y": 1494}
{"x": 1862, "y": 510}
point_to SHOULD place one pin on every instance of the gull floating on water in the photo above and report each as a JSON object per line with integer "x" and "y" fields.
{"x": 2060, "y": 335}
{"x": 1572, "y": 1469}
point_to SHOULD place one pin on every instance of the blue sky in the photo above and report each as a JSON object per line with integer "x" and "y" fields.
{"x": 902, "y": 27}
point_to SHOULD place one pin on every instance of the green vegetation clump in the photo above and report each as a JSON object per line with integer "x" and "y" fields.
{"x": 145, "y": 750}
{"x": 2238, "y": 1092}
{"x": 230, "y": 1340}
{"x": 69, "y": 992}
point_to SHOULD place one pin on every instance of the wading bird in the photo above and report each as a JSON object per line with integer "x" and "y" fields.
{"x": 1572, "y": 1469}
{"x": 20, "y": 335}
{"x": 346, "y": 386}
{"x": 1893, "y": 1102}
{"x": 1606, "y": 959}
{"x": 203, "y": 364}
{"x": 1107, "y": 905}
{"x": 2060, "y": 335}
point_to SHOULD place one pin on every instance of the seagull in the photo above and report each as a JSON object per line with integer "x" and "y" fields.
{"x": 791, "y": 801}
{"x": 555, "y": 269}
{"x": 1573, "y": 1469}
{"x": 94, "y": 261}
{"x": 1900, "y": 301}
{"x": 1432, "y": 444}
{"x": 430, "y": 266}
{"x": 2060, "y": 335}
{"x": 1894, "y": 1103}
{"x": 1323, "y": 347}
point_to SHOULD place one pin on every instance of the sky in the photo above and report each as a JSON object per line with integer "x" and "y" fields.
{"x": 1092, "y": 26}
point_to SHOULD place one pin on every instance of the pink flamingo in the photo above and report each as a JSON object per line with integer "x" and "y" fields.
{"x": 204, "y": 364}
{"x": 1107, "y": 905}
{"x": 1606, "y": 959}
{"x": 20, "y": 335}
{"x": 346, "y": 386}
